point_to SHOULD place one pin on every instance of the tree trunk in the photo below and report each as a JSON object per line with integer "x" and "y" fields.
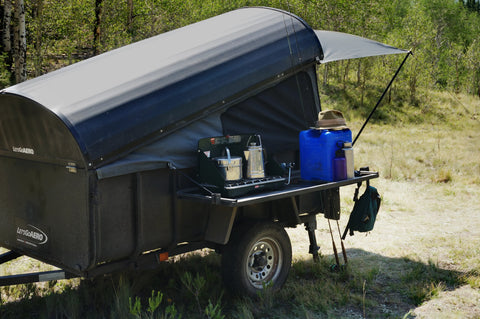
{"x": 20, "y": 43}
{"x": 345, "y": 74}
{"x": 130, "y": 16}
{"x": 478, "y": 86}
{"x": 7, "y": 18}
{"x": 359, "y": 73}
{"x": 38, "y": 16}
{"x": 7, "y": 37}
{"x": 413, "y": 89}
{"x": 96, "y": 30}
{"x": 325, "y": 75}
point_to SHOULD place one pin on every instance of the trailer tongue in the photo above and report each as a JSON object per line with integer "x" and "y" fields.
{"x": 104, "y": 164}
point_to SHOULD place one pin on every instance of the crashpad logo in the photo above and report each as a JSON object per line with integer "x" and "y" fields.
{"x": 31, "y": 235}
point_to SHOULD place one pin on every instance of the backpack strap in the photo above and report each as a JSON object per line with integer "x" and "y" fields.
{"x": 355, "y": 199}
{"x": 355, "y": 196}
{"x": 345, "y": 232}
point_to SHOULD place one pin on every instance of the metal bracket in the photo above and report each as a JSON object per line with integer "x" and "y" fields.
{"x": 8, "y": 256}
{"x": 35, "y": 277}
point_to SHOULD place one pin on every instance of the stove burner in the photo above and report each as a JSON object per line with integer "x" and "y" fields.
{"x": 253, "y": 183}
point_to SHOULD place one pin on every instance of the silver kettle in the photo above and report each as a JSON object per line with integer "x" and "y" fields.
{"x": 254, "y": 157}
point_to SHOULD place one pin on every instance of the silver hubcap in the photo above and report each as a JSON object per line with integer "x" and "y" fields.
{"x": 264, "y": 262}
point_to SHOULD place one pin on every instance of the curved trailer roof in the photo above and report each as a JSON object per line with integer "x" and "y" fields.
{"x": 131, "y": 95}
{"x": 120, "y": 100}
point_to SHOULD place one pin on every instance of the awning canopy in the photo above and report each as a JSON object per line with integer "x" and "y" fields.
{"x": 338, "y": 46}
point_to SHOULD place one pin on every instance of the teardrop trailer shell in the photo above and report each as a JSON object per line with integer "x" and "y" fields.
{"x": 97, "y": 159}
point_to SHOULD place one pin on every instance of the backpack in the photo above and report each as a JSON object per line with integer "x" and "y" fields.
{"x": 364, "y": 211}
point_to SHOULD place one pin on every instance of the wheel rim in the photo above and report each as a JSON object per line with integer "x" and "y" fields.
{"x": 264, "y": 262}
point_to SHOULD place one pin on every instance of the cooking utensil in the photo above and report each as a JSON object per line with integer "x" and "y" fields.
{"x": 230, "y": 166}
{"x": 254, "y": 157}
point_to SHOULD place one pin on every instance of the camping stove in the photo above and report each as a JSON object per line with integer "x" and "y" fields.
{"x": 216, "y": 180}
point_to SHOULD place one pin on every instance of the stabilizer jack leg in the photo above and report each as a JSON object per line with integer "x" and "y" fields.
{"x": 310, "y": 227}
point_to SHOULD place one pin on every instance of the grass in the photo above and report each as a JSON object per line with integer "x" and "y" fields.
{"x": 421, "y": 153}
{"x": 311, "y": 291}
{"x": 424, "y": 248}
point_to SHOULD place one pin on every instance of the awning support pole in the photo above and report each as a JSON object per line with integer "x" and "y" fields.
{"x": 381, "y": 98}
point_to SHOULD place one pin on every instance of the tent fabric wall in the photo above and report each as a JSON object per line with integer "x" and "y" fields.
{"x": 178, "y": 149}
{"x": 278, "y": 114}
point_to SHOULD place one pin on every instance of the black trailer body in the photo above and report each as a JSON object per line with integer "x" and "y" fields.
{"x": 95, "y": 158}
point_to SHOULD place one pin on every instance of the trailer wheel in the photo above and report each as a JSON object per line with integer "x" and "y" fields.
{"x": 258, "y": 255}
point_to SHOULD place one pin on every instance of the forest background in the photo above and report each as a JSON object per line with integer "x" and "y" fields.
{"x": 39, "y": 36}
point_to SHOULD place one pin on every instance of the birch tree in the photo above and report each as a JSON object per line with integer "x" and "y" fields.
{"x": 15, "y": 51}
{"x": 20, "y": 42}
{"x": 6, "y": 38}
{"x": 7, "y": 18}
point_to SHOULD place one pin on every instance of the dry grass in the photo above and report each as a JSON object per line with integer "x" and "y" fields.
{"x": 422, "y": 153}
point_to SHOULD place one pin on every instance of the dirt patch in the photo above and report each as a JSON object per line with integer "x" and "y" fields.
{"x": 428, "y": 225}
{"x": 462, "y": 303}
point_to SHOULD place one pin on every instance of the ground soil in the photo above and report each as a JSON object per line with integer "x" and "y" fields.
{"x": 435, "y": 223}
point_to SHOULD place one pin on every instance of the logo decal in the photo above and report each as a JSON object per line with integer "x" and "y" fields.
{"x": 24, "y": 150}
{"x": 31, "y": 235}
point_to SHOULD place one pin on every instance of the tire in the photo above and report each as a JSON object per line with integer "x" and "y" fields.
{"x": 257, "y": 255}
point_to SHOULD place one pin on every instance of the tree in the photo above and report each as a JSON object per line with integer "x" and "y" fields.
{"x": 97, "y": 26}
{"x": 473, "y": 5}
{"x": 130, "y": 16}
{"x": 7, "y": 18}
{"x": 15, "y": 52}
{"x": 36, "y": 30}
{"x": 7, "y": 39}
{"x": 473, "y": 64}
{"x": 20, "y": 42}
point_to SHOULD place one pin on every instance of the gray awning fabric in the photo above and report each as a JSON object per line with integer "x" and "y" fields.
{"x": 338, "y": 46}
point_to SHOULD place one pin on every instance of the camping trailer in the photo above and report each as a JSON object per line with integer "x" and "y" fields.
{"x": 109, "y": 163}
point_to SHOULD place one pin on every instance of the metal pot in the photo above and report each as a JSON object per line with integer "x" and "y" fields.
{"x": 230, "y": 166}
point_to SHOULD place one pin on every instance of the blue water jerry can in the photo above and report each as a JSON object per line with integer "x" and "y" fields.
{"x": 317, "y": 152}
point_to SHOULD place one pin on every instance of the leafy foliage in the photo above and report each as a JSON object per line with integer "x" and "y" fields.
{"x": 442, "y": 34}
